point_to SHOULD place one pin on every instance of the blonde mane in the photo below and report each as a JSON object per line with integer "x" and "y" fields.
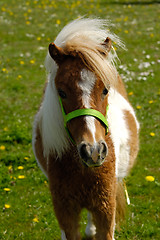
{"x": 86, "y": 37}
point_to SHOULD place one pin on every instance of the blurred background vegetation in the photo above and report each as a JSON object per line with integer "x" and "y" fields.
{"x": 26, "y": 29}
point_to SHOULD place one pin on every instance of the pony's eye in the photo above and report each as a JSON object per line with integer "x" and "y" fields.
{"x": 105, "y": 91}
{"x": 61, "y": 93}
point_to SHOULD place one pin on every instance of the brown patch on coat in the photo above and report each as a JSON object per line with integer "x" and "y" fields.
{"x": 120, "y": 87}
{"x": 134, "y": 138}
{"x": 74, "y": 187}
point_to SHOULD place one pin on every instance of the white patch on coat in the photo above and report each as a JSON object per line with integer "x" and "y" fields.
{"x": 86, "y": 84}
{"x": 36, "y": 122}
{"x": 54, "y": 136}
{"x": 90, "y": 229}
{"x": 119, "y": 130}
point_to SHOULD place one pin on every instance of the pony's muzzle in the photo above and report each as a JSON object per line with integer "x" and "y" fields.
{"x": 93, "y": 155}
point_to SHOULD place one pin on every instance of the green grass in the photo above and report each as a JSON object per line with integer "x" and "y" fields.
{"x": 26, "y": 29}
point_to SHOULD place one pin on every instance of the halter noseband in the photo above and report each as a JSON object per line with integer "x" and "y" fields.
{"x": 83, "y": 112}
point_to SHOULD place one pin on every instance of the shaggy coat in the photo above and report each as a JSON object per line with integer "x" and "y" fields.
{"x": 82, "y": 73}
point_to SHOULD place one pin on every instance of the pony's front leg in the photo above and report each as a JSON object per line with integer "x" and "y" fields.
{"x": 68, "y": 218}
{"x": 63, "y": 236}
{"x": 105, "y": 224}
{"x": 69, "y": 227}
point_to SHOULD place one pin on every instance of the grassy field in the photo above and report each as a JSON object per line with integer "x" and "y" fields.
{"x": 26, "y": 29}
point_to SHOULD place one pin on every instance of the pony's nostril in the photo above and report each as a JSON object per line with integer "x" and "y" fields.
{"x": 85, "y": 151}
{"x": 103, "y": 149}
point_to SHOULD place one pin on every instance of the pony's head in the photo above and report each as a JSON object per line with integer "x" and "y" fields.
{"x": 80, "y": 88}
{"x": 83, "y": 76}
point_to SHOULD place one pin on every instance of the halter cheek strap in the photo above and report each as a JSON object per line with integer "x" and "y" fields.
{"x": 83, "y": 112}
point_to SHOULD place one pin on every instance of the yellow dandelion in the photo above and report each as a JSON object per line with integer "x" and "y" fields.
{"x": 35, "y": 220}
{"x": 5, "y": 129}
{"x": 4, "y": 70}
{"x": 130, "y": 93}
{"x": 10, "y": 167}
{"x": 125, "y": 19}
{"x": 28, "y": 23}
{"x": 38, "y": 38}
{"x": 45, "y": 182}
{"x": 152, "y": 134}
{"x": 29, "y": 10}
{"x": 21, "y": 177}
{"x": 3, "y": 9}
{"x": 151, "y": 35}
{"x": 7, "y": 189}
{"x": 58, "y": 22}
{"x": 150, "y": 178}
{"x": 7, "y": 206}
{"x": 2, "y": 147}
{"x": 138, "y": 107}
{"x": 126, "y": 31}
{"x": 151, "y": 101}
{"x": 20, "y": 167}
{"x": 19, "y": 76}
{"x": 11, "y": 13}
{"x": 32, "y": 61}
{"x": 21, "y": 62}
{"x": 26, "y": 158}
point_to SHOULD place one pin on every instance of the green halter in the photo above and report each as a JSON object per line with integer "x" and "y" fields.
{"x": 83, "y": 112}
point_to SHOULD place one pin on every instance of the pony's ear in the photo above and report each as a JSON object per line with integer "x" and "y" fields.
{"x": 56, "y": 53}
{"x": 107, "y": 44}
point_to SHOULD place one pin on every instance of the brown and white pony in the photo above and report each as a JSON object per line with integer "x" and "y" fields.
{"x": 84, "y": 165}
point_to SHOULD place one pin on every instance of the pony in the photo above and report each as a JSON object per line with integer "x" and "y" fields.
{"x": 85, "y": 136}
